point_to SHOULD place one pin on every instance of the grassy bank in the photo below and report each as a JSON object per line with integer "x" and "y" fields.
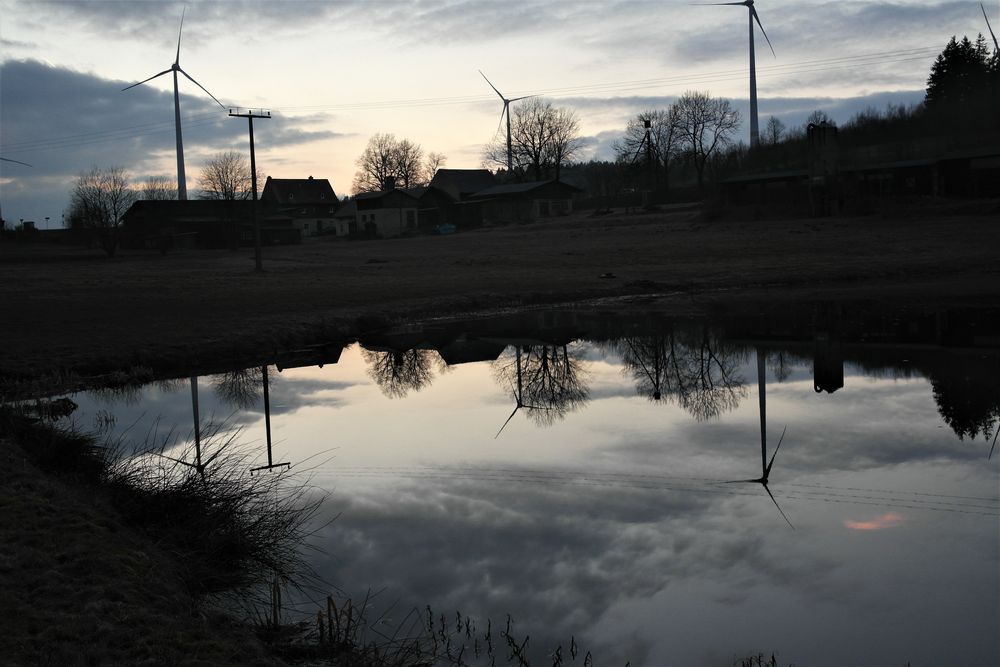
{"x": 111, "y": 561}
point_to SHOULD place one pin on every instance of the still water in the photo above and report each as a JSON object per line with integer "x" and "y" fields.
{"x": 664, "y": 492}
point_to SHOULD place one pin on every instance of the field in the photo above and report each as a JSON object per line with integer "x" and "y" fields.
{"x": 75, "y": 309}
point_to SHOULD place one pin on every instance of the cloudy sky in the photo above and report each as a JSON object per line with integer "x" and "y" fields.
{"x": 334, "y": 73}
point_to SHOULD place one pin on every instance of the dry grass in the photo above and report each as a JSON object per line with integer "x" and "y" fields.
{"x": 88, "y": 313}
{"x": 80, "y": 588}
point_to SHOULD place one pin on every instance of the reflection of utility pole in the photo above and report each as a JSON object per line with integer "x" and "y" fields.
{"x": 267, "y": 427}
{"x": 250, "y": 115}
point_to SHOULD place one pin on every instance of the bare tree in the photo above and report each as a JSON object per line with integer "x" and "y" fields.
{"x": 99, "y": 200}
{"x": 158, "y": 188}
{"x": 227, "y": 176}
{"x": 664, "y": 140}
{"x": 817, "y": 117}
{"x": 401, "y": 159}
{"x": 432, "y": 163}
{"x": 706, "y": 124}
{"x": 408, "y": 162}
{"x": 543, "y": 139}
{"x": 774, "y": 131}
{"x": 564, "y": 137}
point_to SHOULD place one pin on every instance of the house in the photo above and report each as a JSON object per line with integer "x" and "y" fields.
{"x": 310, "y": 202}
{"x": 389, "y": 212}
{"x": 448, "y": 197}
{"x": 345, "y": 220}
{"x": 526, "y": 202}
{"x": 206, "y": 223}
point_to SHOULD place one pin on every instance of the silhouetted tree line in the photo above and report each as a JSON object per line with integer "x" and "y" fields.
{"x": 691, "y": 142}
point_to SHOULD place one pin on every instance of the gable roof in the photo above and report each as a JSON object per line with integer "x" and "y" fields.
{"x": 524, "y": 188}
{"x": 197, "y": 210}
{"x": 458, "y": 183}
{"x": 297, "y": 191}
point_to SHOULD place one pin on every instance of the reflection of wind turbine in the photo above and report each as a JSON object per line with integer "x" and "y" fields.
{"x": 506, "y": 112}
{"x": 754, "y": 132}
{"x": 765, "y": 465}
{"x": 175, "y": 68}
{"x": 198, "y": 464}
{"x": 518, "y": 394}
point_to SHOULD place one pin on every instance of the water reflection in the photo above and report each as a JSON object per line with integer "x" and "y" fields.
{"x": 549, "y": 381}
{"x": 765, "y": 466}
{"x": 695, "y": 368}
{"x": 398, "y": 372}
{"x": 616, "y": 524}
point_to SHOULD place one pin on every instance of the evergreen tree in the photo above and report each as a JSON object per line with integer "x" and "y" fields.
{"x": 964, "y": 72}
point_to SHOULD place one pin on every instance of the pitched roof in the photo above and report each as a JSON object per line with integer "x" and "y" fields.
{"x": 521, "y": 188}
{"x": 299, "y": 191}
{"x": 193, "y": 210}
{"x": 460, "y": 182}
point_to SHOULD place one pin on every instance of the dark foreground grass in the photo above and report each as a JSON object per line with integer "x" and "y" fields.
{"x": 115, "y": 560}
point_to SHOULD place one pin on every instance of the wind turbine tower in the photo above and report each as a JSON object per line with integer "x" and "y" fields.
{"x": 506, "y": 112}
{"x": 752, "y": 15}
{"x": 175, "y": 68}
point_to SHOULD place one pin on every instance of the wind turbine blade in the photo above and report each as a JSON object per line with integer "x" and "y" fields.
{"x": 779, "y": 507}
{"x": 177, "y": 60}
{"x": 506, "y": 422}
{"x": 768, "y": 471}
{"x": 757, "y": 19}
{"x": 15, "y": 161}
{"x": 522, "y": 97}
{"x": 742, "y": 481}
{"x": 202, "y": 87}
{"x": 996, "y": 47}
{"x": 494, "y": 87}
{"x": 994, "y": 446}
{"x": 166, "y": 71}
{"x": 716, "y": 4}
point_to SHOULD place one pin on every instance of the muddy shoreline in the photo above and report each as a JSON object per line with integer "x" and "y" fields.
{"x": 72, "y": 313}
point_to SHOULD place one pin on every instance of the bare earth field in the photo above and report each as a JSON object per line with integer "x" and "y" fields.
{"x": 74, "y": 309}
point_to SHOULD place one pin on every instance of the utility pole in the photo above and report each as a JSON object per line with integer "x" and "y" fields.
{"x": 250, "y": 115}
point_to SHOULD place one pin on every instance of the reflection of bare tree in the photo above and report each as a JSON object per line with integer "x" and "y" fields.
{"x": 698, "y": 370}
{"x": 548, "y": 381}
{"x": 781, "y": 364}
{"x": 240, "y": 388}
{"x": 396, "y": 373}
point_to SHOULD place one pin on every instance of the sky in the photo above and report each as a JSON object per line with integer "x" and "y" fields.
{"x": 332, "y": 74}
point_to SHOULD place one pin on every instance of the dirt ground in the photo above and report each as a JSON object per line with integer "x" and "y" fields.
{"x": 68, "y": 309}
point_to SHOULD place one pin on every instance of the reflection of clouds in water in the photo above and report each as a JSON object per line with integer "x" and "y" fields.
{"x": 554, "y": 557}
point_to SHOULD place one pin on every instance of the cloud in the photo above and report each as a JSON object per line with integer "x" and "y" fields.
{"x": 64, "y": 122}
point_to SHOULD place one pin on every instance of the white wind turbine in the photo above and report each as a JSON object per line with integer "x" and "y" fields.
{"x": 506, "y": 111}
{"x": 175, "y": 68}
{"x": 754, "y": 131}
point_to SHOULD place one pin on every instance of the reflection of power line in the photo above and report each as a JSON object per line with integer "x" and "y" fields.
{"x": 640, "y": 482}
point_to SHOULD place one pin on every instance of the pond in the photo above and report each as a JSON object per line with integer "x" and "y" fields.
{"x": 656, "y": 490}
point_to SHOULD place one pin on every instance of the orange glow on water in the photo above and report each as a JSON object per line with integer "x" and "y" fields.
{"x": 888, "y": 520}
